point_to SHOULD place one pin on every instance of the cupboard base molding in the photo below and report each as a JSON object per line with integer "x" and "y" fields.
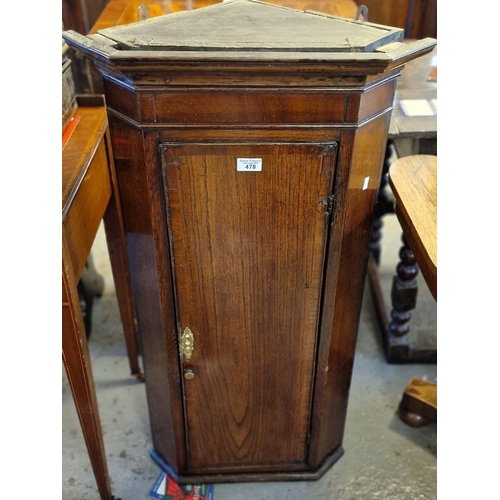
{"x": 263, "y": 476}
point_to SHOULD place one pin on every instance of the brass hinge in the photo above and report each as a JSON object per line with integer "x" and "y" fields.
{"x": 329, "y": 203}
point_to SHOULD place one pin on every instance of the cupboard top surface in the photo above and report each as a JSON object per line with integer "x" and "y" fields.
{"x": 247, "y": 42}
{"x": 246, "y": 25}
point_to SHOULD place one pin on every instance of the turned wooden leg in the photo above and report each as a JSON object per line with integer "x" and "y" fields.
{"x": 383, "y": 205}
{"x": 404, "y": 291}
{"x": 403, "y": 300}
{"x": 76, "y": 359}
{"x": 376, "y": 236}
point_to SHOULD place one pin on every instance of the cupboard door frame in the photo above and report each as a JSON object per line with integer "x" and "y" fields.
{"x": 292, "y": 164}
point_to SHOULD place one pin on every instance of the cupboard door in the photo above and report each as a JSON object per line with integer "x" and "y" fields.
{"x": 248, "y": 227}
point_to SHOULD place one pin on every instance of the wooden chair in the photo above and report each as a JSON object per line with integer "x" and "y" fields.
{"x": 413, "y": 180}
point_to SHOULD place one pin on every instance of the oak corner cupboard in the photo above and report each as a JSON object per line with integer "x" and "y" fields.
{"x": 248, "y": 141}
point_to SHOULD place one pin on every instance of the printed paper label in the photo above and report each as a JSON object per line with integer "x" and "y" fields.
{"x": 249, "y": 164}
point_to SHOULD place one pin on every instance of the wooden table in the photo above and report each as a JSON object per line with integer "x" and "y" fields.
{"x": 408, "y": 135}
{"x": 89, "y": 194}
{"x": 413, "y": 180}
{"x": 416, "y": 134}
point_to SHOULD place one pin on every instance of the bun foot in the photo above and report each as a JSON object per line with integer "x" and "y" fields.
{"x": 412, "y": 419}
{"x": 418, "y": 406}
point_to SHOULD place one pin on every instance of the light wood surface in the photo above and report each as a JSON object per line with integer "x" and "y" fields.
{"x": 418, "y": 405}
{"x": 413, "y": 180}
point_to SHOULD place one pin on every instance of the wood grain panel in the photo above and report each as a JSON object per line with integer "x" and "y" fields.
{"x": 162, "y": 414}
{"x": 248, "y": 251}
{"x": 345, "y": 277}
{"x": 80, "y": 239}
{"x": 239, "y": 107}
{"x": 122, "y": 99}
{"x": 364, "y": 105}
{"x": 78, "y": 152}
{"x": 375, "y": 99}
{"x": 152, "y": 293}
{"x": 131, "y": 177}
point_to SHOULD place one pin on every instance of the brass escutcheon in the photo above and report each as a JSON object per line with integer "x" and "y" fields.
{"x": 187, "y": 343}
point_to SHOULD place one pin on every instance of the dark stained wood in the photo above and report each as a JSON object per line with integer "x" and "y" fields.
{"x": 423, "y": 21}
{"x": 417, "y": 17}
{"x": 166, "y": 417}
{"x": 80, "y": 15}
{"x": 158, "y": 202}
{"x": 237, "y": 107}
{"x": 404, "y": 290}
{"x": 266, "y": 267}
{"x": 262, "y": 476}
{"x": 150, "y": 272}
{"x": 118, "y": 258}
{"x": 89, "y": 194}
